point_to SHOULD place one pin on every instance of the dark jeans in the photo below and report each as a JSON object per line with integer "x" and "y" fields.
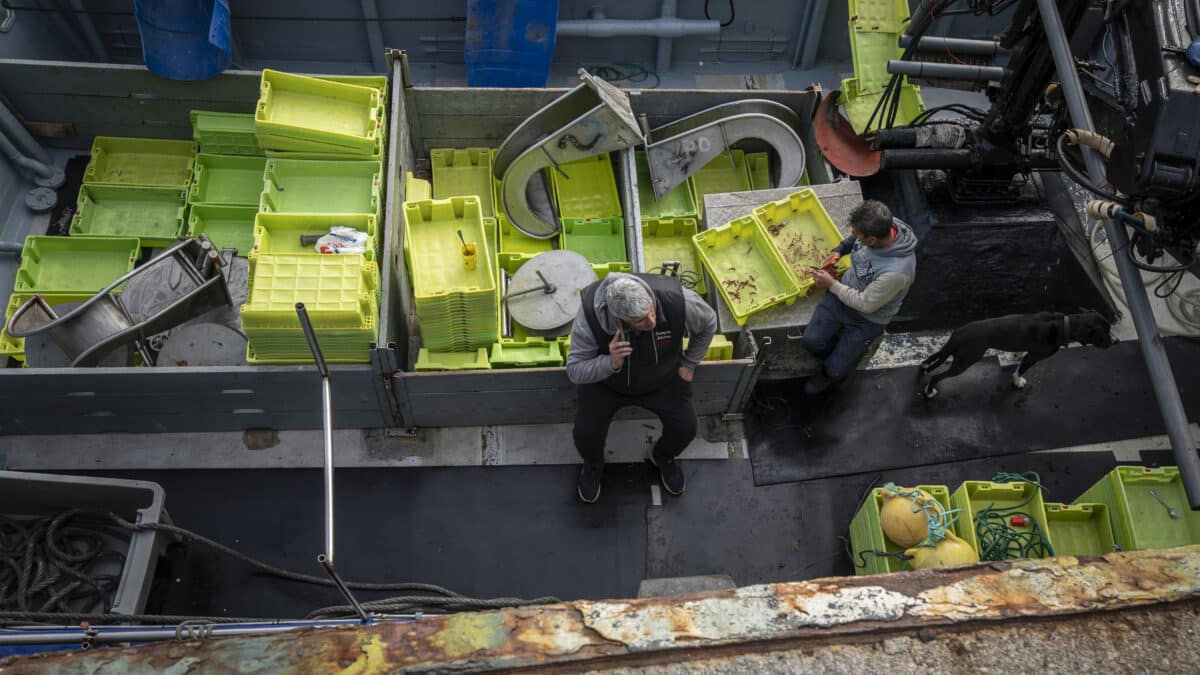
{"x": 672, "y": 404}
{"x": 839, "y": 336}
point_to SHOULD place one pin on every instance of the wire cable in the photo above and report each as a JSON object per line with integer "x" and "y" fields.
{"x": 732, "y": 13}
{"x": 624, "y": 72}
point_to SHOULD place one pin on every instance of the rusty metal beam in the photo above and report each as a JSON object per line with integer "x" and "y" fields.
{"x": 694, "y": 627}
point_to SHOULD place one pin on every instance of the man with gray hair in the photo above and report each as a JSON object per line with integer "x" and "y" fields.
{"x": 627, "y": 350}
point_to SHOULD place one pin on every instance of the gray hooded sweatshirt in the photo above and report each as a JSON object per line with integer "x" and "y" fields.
{"x": 878, "y": 278}
{"x": 585, "y": 365}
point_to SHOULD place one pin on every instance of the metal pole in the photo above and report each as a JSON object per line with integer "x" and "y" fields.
{"x": 326, "y": 558}
{"x": 964, "y": 46}
{"x": 812, "y": 38}
{"x": 1161, "y": 377}
{"x": 953, "y": 71}
{"x": 327, "y": 423}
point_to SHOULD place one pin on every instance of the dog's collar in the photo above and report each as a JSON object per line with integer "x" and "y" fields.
{"x": 1066, "y": 330}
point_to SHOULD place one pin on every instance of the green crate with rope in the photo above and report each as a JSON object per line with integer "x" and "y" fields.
{"x": 1004, "y": 518}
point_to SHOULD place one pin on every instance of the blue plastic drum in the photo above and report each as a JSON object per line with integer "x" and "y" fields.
{"x": 510, "y": 43}
{"x": 184, "y": 39}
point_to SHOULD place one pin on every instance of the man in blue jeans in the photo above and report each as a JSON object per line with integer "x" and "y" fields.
{"x": 856, "y": 309}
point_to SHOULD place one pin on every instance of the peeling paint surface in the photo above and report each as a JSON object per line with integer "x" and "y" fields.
{"x": 753, "y": 610}
{"x": 650, "y": 630}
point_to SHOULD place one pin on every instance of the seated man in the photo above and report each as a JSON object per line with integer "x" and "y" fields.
{"x": 855, "y": 310}
{"x": 627, "y": 350}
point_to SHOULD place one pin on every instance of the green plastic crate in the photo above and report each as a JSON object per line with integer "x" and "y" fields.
{"x": 153, "y": 215}
{"x": 434, "y": 361}
{"x": 726, "y": 173}
{"x": 309, "y": 186}
{"x": 360, "y": 355}
{"x": 1138, "y": 520}
{"x": 748, "y": 271}
{"x": 73, "y": 265}
{"x": 758, "y": 165}
{"x": 377, "y": 82}
{"x": 720, "y": 349}
{"x": 416, "y": 189}
{"x": 859, "y": 104}
{"x": 974, "y": 495}
{"x": 434, "y": 252}
{"x": 223, "y": 133}
{"x": 600, "y": 240}
{"x": 680, "y": 202}
{"x": 337, "y": 290}
{"x": 588, "y": 191}
{"x": 226, "y": 226}
{"x": 327, "y": 153}
{"x": 866, "y": 533}
{"x": 231, "y": 180}
{"x": 149, "y": 162}
{"x": 279, "y": 233}
{"x": 531, "y": 352}
{"x": 462, "y": 173}
{"x": 666, "y": 239}
{"x": 457, "y": 307}
{"x": 801, "y": 230}
{"x": 1080, "y": 529}
{"x": 321, "y": 111}
{"x": 513, "y": 240}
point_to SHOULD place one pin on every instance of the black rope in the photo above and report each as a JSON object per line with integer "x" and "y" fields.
{"x": 45, "y": 564}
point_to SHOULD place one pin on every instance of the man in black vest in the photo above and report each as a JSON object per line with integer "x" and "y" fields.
{"x": 627, "y": 350}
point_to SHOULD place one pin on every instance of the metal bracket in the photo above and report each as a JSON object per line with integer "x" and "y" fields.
{"x": 677, "y": 150}
{"x": 594, "y": 110}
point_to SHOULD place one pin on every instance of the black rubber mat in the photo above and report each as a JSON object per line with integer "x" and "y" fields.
{"x": 518, "y": 531}
{"x": 481, "y": 531}
{"x": 877, "y": 421}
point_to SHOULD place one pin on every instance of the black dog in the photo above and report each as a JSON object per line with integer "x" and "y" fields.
{"x": 1038, "y": 335}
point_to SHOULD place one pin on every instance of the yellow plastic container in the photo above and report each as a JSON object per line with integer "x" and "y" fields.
{"x": 801, "y": 230}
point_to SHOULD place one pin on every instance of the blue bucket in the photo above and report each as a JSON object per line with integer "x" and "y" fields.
{"x": 510, "y": 43}
{"x": 184, "y": 39}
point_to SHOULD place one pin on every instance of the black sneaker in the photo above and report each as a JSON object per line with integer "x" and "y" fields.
{"x": 817, "y": 383}
{"x": 671, "y": 475}
{"x": 588, "y": 485}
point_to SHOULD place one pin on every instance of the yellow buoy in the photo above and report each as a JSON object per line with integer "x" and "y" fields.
{"x": 946, "y": 553}
{"x": 904, "y": 518}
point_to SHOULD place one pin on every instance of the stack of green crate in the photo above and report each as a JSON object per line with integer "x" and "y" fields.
{"x": 339, "y": 292}
{"x": 324, "y": 143}
{"x": 321, "y": 116}
{"x": 456, "y": 294}
{"x": 223, "y": 199}
{"x": 222, "y": 133}
{"x": 1140, "y": 501}
{"x": 135, "y": 187}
